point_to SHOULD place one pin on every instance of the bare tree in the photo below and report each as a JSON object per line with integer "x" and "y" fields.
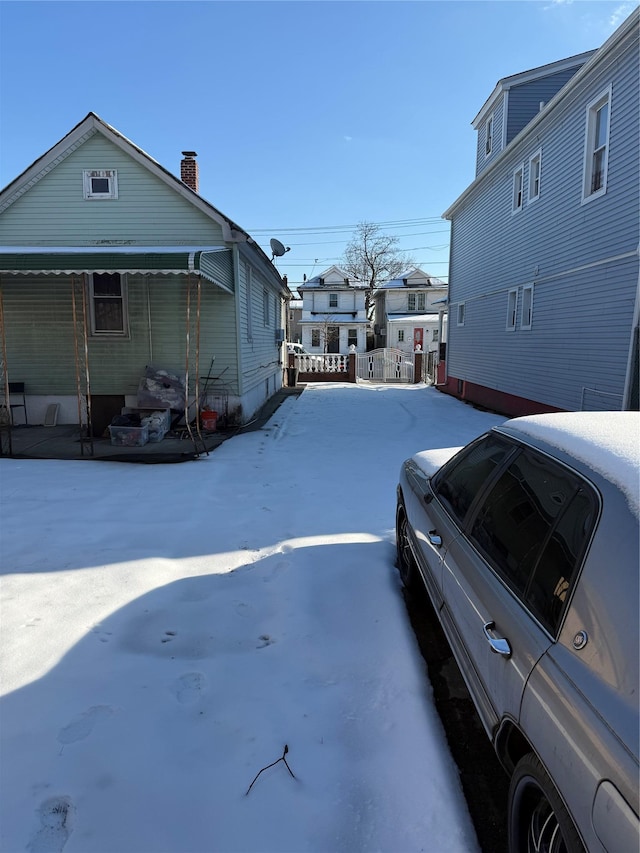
{"x": 373, "y": 257}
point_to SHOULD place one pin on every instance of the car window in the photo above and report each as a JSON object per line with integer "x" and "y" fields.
{"x": 532, "y": 527}
{"x": 459, "y": 481}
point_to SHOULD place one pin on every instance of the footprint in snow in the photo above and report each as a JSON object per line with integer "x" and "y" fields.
{"x": 189, "y": 687}
{"x": 56, "y": 825}
{"x": 264, "y": 641}
{"x": 82, "y": 726}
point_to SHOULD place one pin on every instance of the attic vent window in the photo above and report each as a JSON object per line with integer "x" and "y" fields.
{"x": 100, "y": 183}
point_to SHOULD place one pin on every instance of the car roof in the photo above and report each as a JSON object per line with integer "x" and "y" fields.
{"x": 606, "y": 442}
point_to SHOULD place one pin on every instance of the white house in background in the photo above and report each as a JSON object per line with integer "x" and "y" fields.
{"x": 334, "y": 317}
{"x": 410, "y": 311}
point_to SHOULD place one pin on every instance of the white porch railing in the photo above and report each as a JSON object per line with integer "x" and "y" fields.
{"x": 327, "y": 363}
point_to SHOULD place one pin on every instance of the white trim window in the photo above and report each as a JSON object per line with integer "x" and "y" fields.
{"x": 488, "y": 136}
{"x": 108, "y": 304}
{"x": 315, "y": 337}
{"x": 411, "y": 302}
{"x": 596, "y": 147}
{"x": 400, "y": 336}
{"x": 526, "y": 309}
{"x": 460, "y": 314}
{"x": 421, "y": 302}
{"x": 333, "y": 300}
{"x": 512, "y": 307}
{"x": 535, "y": 173}
{"x": 100, "y": 183}
{"x": 518, "y": 190}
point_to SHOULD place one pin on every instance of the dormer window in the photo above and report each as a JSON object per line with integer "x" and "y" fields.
{"x": 488, "y": 142}
{"x": 100, "y": 183}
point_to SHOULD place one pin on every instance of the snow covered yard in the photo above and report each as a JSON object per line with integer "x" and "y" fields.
{"x": 167, "y": 629}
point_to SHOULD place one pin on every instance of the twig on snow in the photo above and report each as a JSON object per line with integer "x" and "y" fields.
{"x": 273, "y": 763}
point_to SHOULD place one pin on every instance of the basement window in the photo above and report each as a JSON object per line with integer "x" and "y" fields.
{"x": 108, "y": 304}
{"x": 100, "y": 183}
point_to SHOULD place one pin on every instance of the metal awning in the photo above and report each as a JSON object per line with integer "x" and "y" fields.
{"x": 164, "y": 260}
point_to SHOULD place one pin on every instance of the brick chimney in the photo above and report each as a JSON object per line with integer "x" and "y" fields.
{"x": 189, "y": 170}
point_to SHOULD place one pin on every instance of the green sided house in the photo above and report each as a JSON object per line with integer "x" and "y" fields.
{"x": 118, "y": 279}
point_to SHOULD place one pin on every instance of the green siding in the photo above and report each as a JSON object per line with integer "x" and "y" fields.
{"x": 40, "y": 345}
{"x": 146, "y": 212}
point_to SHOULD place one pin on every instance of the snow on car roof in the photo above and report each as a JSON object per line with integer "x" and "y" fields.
{"x": 608, "y": 442}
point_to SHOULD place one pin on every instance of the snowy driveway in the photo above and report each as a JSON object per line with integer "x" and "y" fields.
{"x": 166, "y": 630}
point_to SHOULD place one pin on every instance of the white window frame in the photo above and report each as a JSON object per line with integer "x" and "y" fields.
{"x": 489, "y": 135}
{"x": 526, "y": 315}
{"x": 110, "y": 175}
{"x": 333, "y": 300}
{"x": 352, "y": 335}
{"x": 421, "y": 300}
{"x": 518, "y": 179}
{"x": 460, "y": 314}
{"x": 314, "y": 333}
{"x": 400, "y": 336}
{"x": 512, "y": 309}
{"x": 590, "y": 149}
{"x": 266, "y": 312}
{"x": 535, "y": 162}
{"x": 109, "y": 333}
{"x": 435, "y": 336}
{"x": 411, "y": 302}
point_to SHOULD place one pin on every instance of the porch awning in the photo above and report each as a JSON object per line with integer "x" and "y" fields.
{"x": 206, "y": 261}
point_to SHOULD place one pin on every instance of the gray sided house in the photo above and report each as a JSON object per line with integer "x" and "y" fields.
{"x": 543, "y": 279}
{"x": 113, "y": 272}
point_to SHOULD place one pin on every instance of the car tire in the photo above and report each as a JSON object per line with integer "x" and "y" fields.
{"x": 404, "y": 560}
{"x": 538, "y": 819}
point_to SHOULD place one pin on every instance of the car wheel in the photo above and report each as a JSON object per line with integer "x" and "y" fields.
{"x": 538, "y": 819}
{"x": 405, "y": 562}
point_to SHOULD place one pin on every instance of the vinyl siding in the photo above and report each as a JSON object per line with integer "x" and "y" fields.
{"x": 482, "y": 161}
{"x": 40, "y": 343}
{"x": 146, "y": 212}
{"x": 524, "y": 100}
{"x": 260, "y": 354}
{"x": 581, "y": 258}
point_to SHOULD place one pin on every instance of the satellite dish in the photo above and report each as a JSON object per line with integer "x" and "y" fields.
{"x": 277, "y": 248}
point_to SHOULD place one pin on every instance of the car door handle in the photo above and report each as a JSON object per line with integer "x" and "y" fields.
{"x": 435, "y": 539}
{"x": 499, "y": 645}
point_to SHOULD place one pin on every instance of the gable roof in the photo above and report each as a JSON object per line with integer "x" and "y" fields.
{"x": 320, "y": 280}
{"x": 404, "y": 280}
{"x": 93, "y": 124}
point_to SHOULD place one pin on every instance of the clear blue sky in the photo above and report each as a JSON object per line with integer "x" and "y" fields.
{"x": 307, "y": 117}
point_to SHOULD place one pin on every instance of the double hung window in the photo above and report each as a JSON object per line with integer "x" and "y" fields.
{"x": 596, "y": 159}
{"x": 107, "y": 292}
{"x": 518, "y": 190}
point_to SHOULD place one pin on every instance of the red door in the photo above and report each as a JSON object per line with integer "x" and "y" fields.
{"x": 418, "y": 338}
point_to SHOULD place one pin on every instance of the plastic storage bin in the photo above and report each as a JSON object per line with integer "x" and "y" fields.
{"x": 126, "y": 436}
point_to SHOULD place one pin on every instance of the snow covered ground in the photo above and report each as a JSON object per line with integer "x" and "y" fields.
{"x": 167, "y": 629}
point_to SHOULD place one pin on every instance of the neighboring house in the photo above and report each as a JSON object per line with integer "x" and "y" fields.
{"x": 409, "y": 312}
{"x": 294, "y": 329}
{"x": 333, "y": 313}
{"x": 112, "y": 268}
{"x": 543, "y": 280}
